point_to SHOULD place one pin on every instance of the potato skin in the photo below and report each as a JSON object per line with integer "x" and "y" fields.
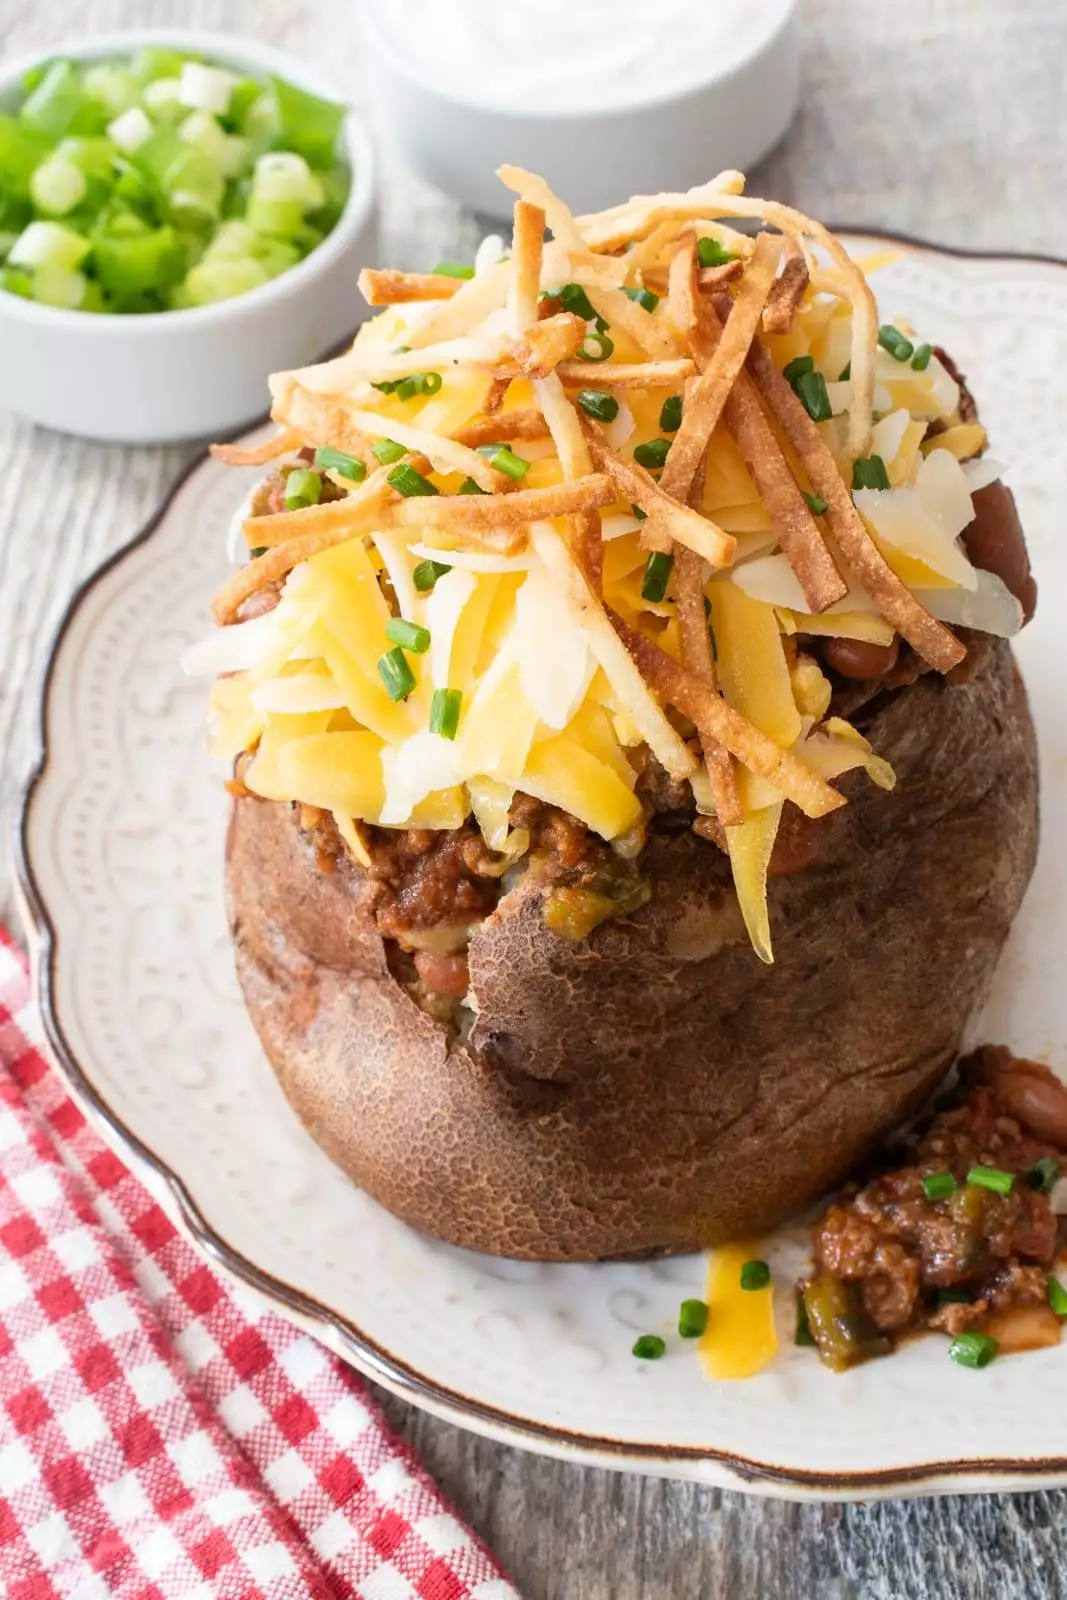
{"x": 656, "y": 1088}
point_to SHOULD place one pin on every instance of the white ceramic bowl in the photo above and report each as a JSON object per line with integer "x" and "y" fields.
{"x": 186, "y": 374}
{"x": 449, "y": 130}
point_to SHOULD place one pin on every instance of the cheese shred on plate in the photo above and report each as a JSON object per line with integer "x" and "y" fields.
{"x": 577, "y": 510}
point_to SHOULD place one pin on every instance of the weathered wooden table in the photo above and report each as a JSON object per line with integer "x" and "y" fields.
{"x": 933, "y": 117}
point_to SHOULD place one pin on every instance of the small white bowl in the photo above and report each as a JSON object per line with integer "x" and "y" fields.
{"x": 170, "y": 375}
{"x": 453, "y": 131}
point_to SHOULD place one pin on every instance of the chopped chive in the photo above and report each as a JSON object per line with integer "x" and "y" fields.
{"x": 994, "y": 1178}
{"x": 657, "y": 571}
{"x": 408, "y": 482}
{"x": 939, "y": 1185}
{"x": 387, "y": 450}
{"x": 1057, "y": 1296}
{"x": 649, "y": 1347}
{"x": 427, "y": 573}
{"x": 638, "y": 513}
{"x": 337, "y": 461}
{"x": 692, "y": 1318}
{"x": 921, "y": 359}
{"x": 302, "y": 488}
{"x": 652, "y": 454}
{"x": 710, "y": 253}
{"x": 816, "y": 503}
{"x": 408, "y": 635}
{"x": 505, "y": 460}
{"x": 453, "y": 269}
{"x": 868, "y": 472}
{"x": 796, "y": 369}
{"x": 257, "y": 550}
{"x": 573, "y": 298}
{"x": 395, "y": 673}
{"x": 444, "y": 712}
{"x": 953, "y": 1297}
{"x": 596, "y": 346}
{"x": 755, "y": 1275}
{"x": 407, "y": 388}
{"x": 595, "y": 403}
{"x": 846, "y": 373}
{"x": 973, "y": 1349}
{"x": 891, "y": 339}
{"x": 643, "y": 297}
{"x": 468, "y": 486}
{"x": 670, "y": 415}
{"x": 1043, "y": 1174}
{"x": 811, "y": 389}
{"x": 803, "y": 1334}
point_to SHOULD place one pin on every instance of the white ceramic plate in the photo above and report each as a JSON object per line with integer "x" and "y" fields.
{"x": 120, "y": 861}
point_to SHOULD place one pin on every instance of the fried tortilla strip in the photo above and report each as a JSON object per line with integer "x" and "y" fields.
{"x": 318, "y": 420}
{"x": 650, "y": 332}
{"x": 351, "y": 512}
{"x": 711, "y": 279}
{"x": 696, "y": 653}
{"x": 539, "y": 351}
{"x": 790, "y": 516}
{"x": 588, "y": 547}
{"x": 787, "y": 291}
{"x": 618, "y": 666}
{"x": 526, "y": 247}
{"x": 627, "y": 375}
{"x": 256, "y": 455}
{"x": 457, "y": 457}
{"x": 472, "y": 513}
{"x": 390, "y": 288}
{"x": 667, "y": 519}
{"x": 682, "y": 288}
{"x": 928, "y": 637}
{"x": 565, "y": 427}
{"x": 709, "y": 394}
{"x": 587, "y": 267}
{"x": 470, "y": 305}
{"x": 636, "y": 218}
{"x": 683, "y": 689}
{"x": 503, "y": 426}
{"x": 495, "y": 395}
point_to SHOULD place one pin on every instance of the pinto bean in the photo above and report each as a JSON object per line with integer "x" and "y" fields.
{"x": 995, "y": 542}
{"x": 446, "y": 974}
{"x": 857, "y": 658}
{"x": 1035, "y": 1097}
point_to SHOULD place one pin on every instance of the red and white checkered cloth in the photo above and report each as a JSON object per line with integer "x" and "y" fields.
{"x": 160, "y": 1436}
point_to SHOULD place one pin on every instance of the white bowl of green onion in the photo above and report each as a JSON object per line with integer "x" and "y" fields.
{"x": 181, "y": 213}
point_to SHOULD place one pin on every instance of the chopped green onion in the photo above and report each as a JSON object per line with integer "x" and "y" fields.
{"x": 653, "y": 454}
{"x": 710, "y": 253}
{"x": 755, "y": 1275}
{"x": 868, "y": 472}
{"x": 155, "y": 259}
{"x": 302, "y": 488}
{"x": 595, "y": 403}
{"x": 973, "y": 1349}
{"x": 811, "y": 389}
{"x": 427, "y": 573}
{"x": 692, "y": 1318}
{"x": 52, "y": 106}
{"x": 407, "y": 388}
{"x": 993, "y": 1178}
{"x": 58, "y": 186}
{"x": 408, "y": 482}
{"x": 816, "y": 503}
{"x": 1057, "y": 1296}
{"x": 573, "y": 298}
{"x": 408, "y": 635}
{"x": 453, "y": 269}
{"x": 468, "y": 486}
{"x": 893, "y": 340}
{"x": 596, "y": 346}
{"x": 48, "y": 244}
{"x": 803, "y": 1334}
{"x": 505, "y": 460}
{"x": 796, "y": 369}
{"x": 939, "y": 1185}
{"x": 657, "y": 572}
{"x": 337, "y": 461}
{"x": 444, "y": 712}
{"x": 953, "y": 1297}
{"x": 846, "y": 373}
{"x": 643, "y": 297}
{"x": 921, "y": 359}
{"x": 387, "y": 450}
{"x": 395, "y": 673}
{"x": 1043, "y": 1174}
{"x": 638, "y": 513}
{"x": 307, "y": 124}
{"x": 670, "y": 413}
{"x": 649, "y": 1347}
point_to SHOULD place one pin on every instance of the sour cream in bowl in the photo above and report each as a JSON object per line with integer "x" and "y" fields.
{"x": 581, "y": 91}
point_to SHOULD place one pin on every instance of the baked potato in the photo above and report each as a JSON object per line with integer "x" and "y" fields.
{"x": 622, "y": 835}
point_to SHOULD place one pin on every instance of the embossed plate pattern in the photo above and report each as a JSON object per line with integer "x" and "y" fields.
{"x": 119, "y": 856}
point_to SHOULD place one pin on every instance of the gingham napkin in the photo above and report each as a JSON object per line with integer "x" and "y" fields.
{"x": 160, "y": 1436}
